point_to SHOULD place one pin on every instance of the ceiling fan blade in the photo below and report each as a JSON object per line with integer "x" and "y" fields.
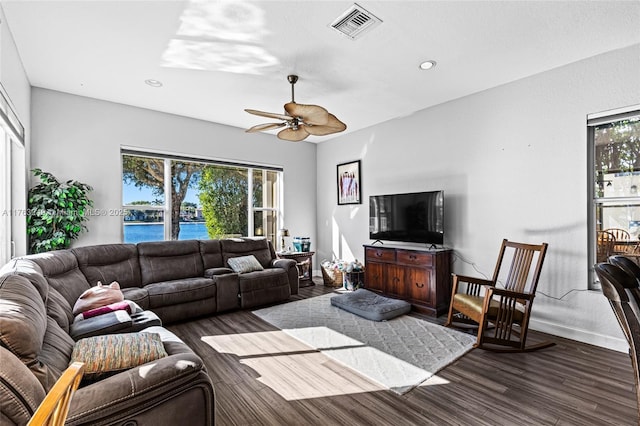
{"x": 333, "y": 126}
{"x": 311, "y": 114}
{"x": 268, "y": 114}
{"x": 264, "y": 127}
{"x": 293, "y": 135}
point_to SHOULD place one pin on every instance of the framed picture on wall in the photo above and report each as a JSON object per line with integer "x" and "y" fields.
{"x": 349, "y": 183}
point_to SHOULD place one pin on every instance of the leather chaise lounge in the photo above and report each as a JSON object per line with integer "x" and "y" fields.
{"x": 172, "y": 281}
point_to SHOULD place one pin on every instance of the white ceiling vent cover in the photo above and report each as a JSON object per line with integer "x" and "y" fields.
{"x": 355, "y": 21}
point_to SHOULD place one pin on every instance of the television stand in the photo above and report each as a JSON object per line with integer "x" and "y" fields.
{"x": 421, "y": 276}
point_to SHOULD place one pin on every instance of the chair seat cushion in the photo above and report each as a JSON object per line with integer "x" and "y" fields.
{"x": 471, "y": 306}
{"x": 371, "y": 306}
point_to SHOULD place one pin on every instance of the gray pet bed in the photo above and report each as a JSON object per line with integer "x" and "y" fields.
{"x": 371, "y": 306}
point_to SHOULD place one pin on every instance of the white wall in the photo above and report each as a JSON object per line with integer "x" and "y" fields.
{"x": 14, "y": 79}
{"x": 16, "y": 85}
{"x": 513, "y": 164}
{"x": 80, "y": 138}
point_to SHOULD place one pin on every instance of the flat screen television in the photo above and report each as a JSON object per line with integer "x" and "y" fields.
{"x": 416, "y": 217}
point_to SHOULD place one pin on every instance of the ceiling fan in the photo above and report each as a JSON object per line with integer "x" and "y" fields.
{"x": 299, "y": 120}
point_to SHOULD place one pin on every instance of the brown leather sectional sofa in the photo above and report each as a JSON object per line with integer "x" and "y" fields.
{"x": 176, "y": 280}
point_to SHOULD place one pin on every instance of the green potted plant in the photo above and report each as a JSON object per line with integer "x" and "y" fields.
{"x": 57, "y": 212}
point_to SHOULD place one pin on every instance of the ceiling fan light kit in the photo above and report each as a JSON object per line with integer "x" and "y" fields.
{"x": 300, "y": 120}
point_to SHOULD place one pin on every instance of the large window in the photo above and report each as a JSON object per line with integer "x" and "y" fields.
{"x": 168, "y": 197}
{"x": 614, "y": 140}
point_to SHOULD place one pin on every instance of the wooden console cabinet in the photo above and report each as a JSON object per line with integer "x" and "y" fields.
{"x": 422, "y": 277}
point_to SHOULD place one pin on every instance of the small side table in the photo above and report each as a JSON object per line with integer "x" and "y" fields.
{"x": 304, "y": 263}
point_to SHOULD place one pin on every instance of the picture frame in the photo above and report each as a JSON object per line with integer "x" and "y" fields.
{"x": 349, "y": 183}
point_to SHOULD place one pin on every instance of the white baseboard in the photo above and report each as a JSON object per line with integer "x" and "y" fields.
{"x": 614, "y": 343}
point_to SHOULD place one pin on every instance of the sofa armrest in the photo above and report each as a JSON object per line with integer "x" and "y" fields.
{"x": 212, "y": 272}
{"x": 227, "y": 291}
{"x": 135, "y": 394}
{"x": 20, "y": 391}
{"x": 288, "y": 265}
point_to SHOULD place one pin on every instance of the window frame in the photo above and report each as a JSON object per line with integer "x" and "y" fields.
{"x": 12, "y": 138}
{"x": 594, "y": 201}
{"x": 277, "y": 200}
{"x": 166, "y": 207}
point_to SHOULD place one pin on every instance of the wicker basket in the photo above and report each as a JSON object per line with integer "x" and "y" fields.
{"x": 332, "y": 277}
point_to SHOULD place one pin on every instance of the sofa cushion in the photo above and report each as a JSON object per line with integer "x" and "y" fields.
{"x": 169, "y": 260}
{"x": 169, "y": 314}
{"x": 23, "y": 320}
{"x": 23, "y": 326}
{"x": 264, "y": 279}
{"x": 110, "y": 262}
{"x": 56, "y": 305}
{"x": 263, "y": 287}
{"x": 137, "y": 295}
{"x": 168, "y": 293}
{"x": 244, "y": 264}
{"x": 211, "y": 253}
{"x": 112, "y": 353}
{"x": 31, "y": 271}
{"x": 259, "y": 247}
{"x": 59, "y": 309}
{"x": 55, "y": 352}
{"x": 61, "y": 270}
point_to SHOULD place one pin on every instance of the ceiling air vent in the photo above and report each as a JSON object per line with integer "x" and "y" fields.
{"x": 355, "y": 21}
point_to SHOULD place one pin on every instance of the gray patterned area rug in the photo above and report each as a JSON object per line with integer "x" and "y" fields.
{"x": 399, "y": 354}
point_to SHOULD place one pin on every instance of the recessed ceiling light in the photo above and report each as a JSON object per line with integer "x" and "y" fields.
{"x": 427, "y": 65}
{"x": 153, "y": 83}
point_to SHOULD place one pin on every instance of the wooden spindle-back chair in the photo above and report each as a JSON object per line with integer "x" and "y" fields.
{"x": 605, "y": 245}
{"x": 622, "y": 243}
{"x": 501, "y": 314}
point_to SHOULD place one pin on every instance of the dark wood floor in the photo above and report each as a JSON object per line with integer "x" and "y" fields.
{"x": 257, "y": 384}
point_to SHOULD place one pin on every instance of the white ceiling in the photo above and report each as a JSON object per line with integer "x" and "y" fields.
{"x": 216, "y": 58}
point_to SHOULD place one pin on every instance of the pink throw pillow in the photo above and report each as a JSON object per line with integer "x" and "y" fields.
{"x": 100, "y": 295}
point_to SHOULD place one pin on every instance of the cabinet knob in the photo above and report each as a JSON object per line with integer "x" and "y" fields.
{"x": 419, "y": 285}
{"x": 412, "y": 256}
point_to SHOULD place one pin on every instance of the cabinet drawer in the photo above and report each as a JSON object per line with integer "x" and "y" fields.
{"x": 380, "y": 255}
{"x": 406, "y": 257}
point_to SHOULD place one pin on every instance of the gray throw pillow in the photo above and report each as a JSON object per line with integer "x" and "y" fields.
{"x": 244, "y": 264}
